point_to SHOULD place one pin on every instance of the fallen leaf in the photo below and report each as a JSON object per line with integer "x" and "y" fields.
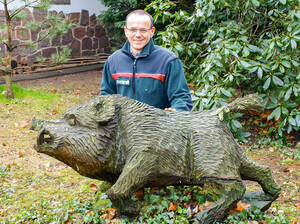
{"x": 76, "y": 91}
{"x": 54, "y": 111}
{"x": 3, "y": 144}
{"x": 20, "y": 154}
{"x": 286, "y": 170}
{"x": 54, "y": 91}
{"x": 94, "y": 187}
{"x": 208, "y": 203}
{"x": 240, "y": 206}
{"x": 139, "y": 194}
{"x": 172, "y": 207}
{"x": 23, "y": 124}
{"x": 109, "y": 213}
{"x": 59, "y": 71}
{"x": 256, "y": 122}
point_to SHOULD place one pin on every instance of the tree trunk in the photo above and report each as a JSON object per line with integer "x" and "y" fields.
{"x": 9, "y": 47}
{"x": 9, "y": 91}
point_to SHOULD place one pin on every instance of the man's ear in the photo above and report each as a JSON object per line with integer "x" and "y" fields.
{"x": 105, "y": 109}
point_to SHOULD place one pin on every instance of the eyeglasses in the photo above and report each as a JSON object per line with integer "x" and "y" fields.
{"x": 135, "y": 30}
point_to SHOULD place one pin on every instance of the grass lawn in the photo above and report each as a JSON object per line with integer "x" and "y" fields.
{"x": 35, "y": 188}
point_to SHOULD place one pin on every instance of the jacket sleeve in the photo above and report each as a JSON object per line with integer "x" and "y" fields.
{"x": 108, "y": 84}
{"x": 178, "y": 91}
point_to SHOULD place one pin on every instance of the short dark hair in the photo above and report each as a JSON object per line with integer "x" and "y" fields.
{"x": 140, "y": 12}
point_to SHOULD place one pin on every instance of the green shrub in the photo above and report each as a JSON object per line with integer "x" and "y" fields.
{"x": 230, "y": 48}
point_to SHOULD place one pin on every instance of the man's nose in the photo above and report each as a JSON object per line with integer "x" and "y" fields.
{"x": 138, "y": 33}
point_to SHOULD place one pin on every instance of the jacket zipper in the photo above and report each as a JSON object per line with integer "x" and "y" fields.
{"x": 133, "y": 79}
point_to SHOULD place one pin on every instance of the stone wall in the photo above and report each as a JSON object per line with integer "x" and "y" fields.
{"x": 87, "y": 38}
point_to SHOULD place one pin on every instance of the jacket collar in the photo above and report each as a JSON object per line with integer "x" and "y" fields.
{"x": 145, "y": 52}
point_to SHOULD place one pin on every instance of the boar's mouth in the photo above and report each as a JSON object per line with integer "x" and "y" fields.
{"x": 45, "y": 139}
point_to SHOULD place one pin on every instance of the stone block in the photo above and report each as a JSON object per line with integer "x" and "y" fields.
{"x": 44, "y": 43}
{"x": 93, "y": 21}
{"x": 2, "y": 49}
{"x": 33, "y": 57}
{"x": 99, "y": 31}
{"x": 56, "y": 41}
{"x": 34, "y": 34}
{"x": 88, "y": 53}
{"x": 87, "y": 43}
{"x": 85, "y": 18}
{"x": 62, "y": 15}
{"x": 95, "y": 43}
{"x": 22, "y": 33}
{"x": 47, "y": 52}
{"x": 90, "y": 31}
{"x": 67, "y": 38}
{"x": 28, "y": 17}
{"x": 2, "y": 16}
{"x": 74, "y": 17}
{"x": 79, "y": 32}
{"x": 103, "y": 42}
{"x": 76, "y": 47}
{"x": 39, "y": 15}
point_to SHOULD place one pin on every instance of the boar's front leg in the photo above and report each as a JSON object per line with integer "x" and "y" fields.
{"x": 139, "y": 171}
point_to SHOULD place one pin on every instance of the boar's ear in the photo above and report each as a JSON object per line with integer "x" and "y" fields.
{"x": 105, "y": 110}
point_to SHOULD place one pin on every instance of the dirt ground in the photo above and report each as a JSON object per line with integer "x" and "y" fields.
{"x": 93, "y": 76}
{"x": 285, "y": 170}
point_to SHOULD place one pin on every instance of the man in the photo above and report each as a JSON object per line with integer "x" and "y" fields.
{"x": 144, "y": 71}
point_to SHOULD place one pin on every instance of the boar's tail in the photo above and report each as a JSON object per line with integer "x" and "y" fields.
{"x": 249, "y": 103}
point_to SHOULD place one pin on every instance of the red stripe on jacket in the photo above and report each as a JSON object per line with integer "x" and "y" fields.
{"x": 140, "y": 75}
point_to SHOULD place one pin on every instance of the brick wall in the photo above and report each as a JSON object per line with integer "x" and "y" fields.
{"x": 88, "y": 37}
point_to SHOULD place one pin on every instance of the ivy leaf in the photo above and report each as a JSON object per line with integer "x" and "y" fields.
{"x": 267, "y": 83}
{"x": 292, "y": 121}
{"x": 293, "y": 44}
{"x": 253, "y": 48}
{"x": 259, "y": 73}
{"x": 246, "y": 52}
{"x": 298, "y": 120}
{"x": 277, "y": 81}
{"x": 275, "y": 114}
{"x": 255, "y": 3}
{"x": 237, "y": 124}
{"x": 245, "y": 64}
{"x": 283, "y": 2}
{"x": 286, "y": 64}
{"x": 284, "y": 110}
{"x": 226, "y": 92}
{"x": 288, "y": 94}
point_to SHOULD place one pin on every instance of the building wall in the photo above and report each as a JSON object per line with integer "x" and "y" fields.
{"x": 93, "y": 6}
{"x": 88, "y": 37}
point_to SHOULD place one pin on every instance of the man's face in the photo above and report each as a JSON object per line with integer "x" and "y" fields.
{"x": 138, "y": 31}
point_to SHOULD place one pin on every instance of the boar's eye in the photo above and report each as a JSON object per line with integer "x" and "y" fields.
{"x": 72, "y": 121}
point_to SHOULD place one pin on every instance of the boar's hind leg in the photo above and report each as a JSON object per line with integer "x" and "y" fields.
{"x": 230, "y": 193}
{"x": 137, "y": 172}
{"x": 262, "y": 174}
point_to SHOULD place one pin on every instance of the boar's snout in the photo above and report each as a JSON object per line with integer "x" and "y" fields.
{"x": 45, "y": 138}
{"x": 36, "y": 124}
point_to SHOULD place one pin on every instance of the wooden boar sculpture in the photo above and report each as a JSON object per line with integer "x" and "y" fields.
{"x": 133, "y": 145}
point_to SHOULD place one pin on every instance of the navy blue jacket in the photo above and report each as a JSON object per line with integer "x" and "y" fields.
{"x": 155, "y": 77}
